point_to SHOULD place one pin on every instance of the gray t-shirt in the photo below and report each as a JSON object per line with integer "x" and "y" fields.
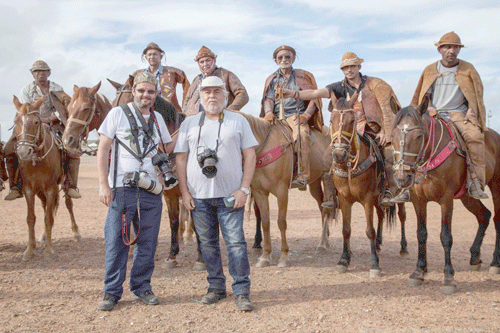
{"x": 446, "y": 93}
{"x": 235, "y": 136}
{"x": 289, "y": 104}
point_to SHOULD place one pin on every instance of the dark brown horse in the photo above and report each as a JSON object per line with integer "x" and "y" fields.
{"x": 86, "y": 112}
{"x": 276, "y": 177}
{"x": 41, "y": 168}
{"x": 172, "y": 197}
{"x": 417, "y": 139}
{"x": 358, "y": 175}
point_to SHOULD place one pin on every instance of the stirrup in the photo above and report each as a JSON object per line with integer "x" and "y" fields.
{"x": 300, "y": 184}
{"x": 13, "y": 194}
{"x": 402, "y": 197}
{"x": 73, "y": 193}
{"x": 475, "y": 190}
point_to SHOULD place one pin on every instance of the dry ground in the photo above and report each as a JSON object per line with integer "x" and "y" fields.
{"x": 61, "y": 294}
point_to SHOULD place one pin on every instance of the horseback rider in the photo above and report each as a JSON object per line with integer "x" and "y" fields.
{"x": 456, "y": 93}
{"x": 52, "y": 114}
{"x": 238, "y": 96}
{"x": 372, "y": 105}
{"x": 295, "y": 80}
{"x": 167, "y": 76}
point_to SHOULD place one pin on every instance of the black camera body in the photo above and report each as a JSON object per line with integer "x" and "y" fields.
{"x": 207, "y": 160}
{"x": 162, "y": 161}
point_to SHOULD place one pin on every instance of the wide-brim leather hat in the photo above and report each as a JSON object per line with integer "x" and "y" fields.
{"x": 284, "y": 47}
{"x": 204, "y": 52}
{"x": 450, "y": 38}
{"x": 349, "y": 59}
{"x": 39, "y": 65}
{"x": 152, "y": 46}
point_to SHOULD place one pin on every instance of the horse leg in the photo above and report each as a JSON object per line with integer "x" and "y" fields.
{"x": 449, "y": 284}
{"x": 30, "y": 219}
{"x": 380, "y": 227}
{"x": 326, "y": 215}
{"x": 74, "y": 227}
{"x": 258, "y": 228}
{"x": 282, "y": 210}
{"x": 370, "y": 233}
{"x": 495, "y": 193}
{"x": 345, "y": 258}
{"x": 417, "y": 277}
{"x": 172, "y": 201}
{"x": 483, "y": 216}
{"x": 403, "y": 252}
{"x": 50, "y": 207}
{"x": 262, "y": 201}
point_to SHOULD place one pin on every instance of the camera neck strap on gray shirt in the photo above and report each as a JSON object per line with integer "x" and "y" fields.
{"x": 200, "y": 124}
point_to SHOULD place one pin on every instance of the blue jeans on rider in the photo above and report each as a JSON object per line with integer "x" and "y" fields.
{"x": 125, "y": 199}
{"x": 208, "y": 216}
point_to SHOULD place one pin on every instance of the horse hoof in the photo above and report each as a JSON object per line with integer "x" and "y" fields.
{"x": 170, "y": 263}
{"x": 49, "y": 255}
{"x": 375, "y": 273}
{"x": 263, "y": 263}
{"x": 415, "y": 282}
{"x": 28, "y": 256}
{"x": 283, "y": 263}
{"x": 340, "y": 269}
{"x": 494, "y": 270}
{"x": 77, "y": 237}
{"x": 320, "y": 250}
{"x": 404, "y": 255}
{"x": 475, "y": 268}
{"x": 257, "y": 250}
{"x": 199, "y": 266}
{"x": 448, "y": 289}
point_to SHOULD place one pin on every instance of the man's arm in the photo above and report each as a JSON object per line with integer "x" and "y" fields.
{"x": 105, "y": 193}
{"x": 181, "y": 165}
{"x": 182, "y": 79}
{"x": 239, "y": 91}
{"x": 248, "y": 171}
{"x": 307, "y": 95}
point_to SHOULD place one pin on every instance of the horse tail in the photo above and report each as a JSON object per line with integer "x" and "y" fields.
{"x": 390, "y": 216}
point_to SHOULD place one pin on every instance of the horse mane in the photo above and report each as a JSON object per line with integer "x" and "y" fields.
{"x": 410, "y": 111}
{"x": 259, "y": 126}
{"x": 342, "y": 104}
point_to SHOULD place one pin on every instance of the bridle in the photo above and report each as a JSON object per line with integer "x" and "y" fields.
{"x": 25, "y": 139}
{"x": 84, "y": 123}
{"x": 119, "y": 92}
{"x": 348, "y": 138}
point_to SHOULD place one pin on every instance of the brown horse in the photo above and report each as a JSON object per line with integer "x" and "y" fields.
{"x": 3, "y": 170}
{"x": 276, "y": 177}
{"x": 86, "y": 112}
{"x": 358, "y": 171}
{"x": 172, "y": 197}
{"x": 417, "y": 139}
{"x": 40, "y": 165}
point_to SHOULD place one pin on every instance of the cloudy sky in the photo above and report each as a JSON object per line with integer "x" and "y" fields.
{"x": 85, "y": 42}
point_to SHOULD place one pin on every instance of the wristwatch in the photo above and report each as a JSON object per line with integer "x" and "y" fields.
{"x": 245, "y": 190}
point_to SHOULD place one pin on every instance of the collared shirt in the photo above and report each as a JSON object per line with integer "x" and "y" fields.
{"x": 289, "y": 104}
{"x": 32, "y": 92}
{"x": 343, "y": 88}
{"x": 157, "y": 74}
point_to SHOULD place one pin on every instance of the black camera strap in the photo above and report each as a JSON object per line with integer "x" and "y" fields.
{"x": 202, "y": 121}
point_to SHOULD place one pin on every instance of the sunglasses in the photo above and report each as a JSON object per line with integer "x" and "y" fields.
{"x": 142, "y": 91}
{"x": 288, "y": 57}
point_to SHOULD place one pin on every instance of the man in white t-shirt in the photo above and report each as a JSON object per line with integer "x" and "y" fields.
{"x": 215, "y": 162}
{"x": 132, "y": 149}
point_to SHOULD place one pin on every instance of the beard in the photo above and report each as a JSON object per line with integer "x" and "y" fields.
{"x": 141, "y": 104}
{"x": 214, "y": 109}
{"x": 285, "y": 65}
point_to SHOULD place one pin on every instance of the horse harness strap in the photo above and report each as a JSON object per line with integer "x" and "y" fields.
{"x": 89, "y": 120}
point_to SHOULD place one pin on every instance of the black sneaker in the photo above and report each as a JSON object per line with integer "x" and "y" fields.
{"x": 108, "y": 302}
{"x": 213, "y": 296}
{"x": 148, "y": 298}
{"x": 243, "y": 303}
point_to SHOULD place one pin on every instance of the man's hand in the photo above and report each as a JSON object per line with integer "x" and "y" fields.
{"x": 287, "y": 93}
{"x": 105, "y": 194}
{"x": 304, "y": 118}
{"x": 380, "y": 137}
{"x": 240, "y": 199}
{"x": 188, "y": 201}
{"x": 270, "y": 117}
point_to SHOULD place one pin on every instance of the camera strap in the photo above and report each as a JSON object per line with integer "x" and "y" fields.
{"x": 136, "y": 219}
{"x": 202, "y": 121}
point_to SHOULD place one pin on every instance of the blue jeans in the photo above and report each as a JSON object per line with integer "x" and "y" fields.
{"x": 208, "y": 216}
{"x": 125, "y": 199}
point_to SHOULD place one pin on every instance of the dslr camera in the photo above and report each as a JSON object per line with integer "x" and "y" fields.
{"x": 207, "y": 160}
{"x": 162, "y": 161}
{"x": 141, "y": 180}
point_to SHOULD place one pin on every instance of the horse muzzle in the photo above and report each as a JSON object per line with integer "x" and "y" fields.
{"x": 25, "y": 152}
{"x": 340, "y": 154}
{"x": 404, "y": 179}
{"x": 70, "y": 143}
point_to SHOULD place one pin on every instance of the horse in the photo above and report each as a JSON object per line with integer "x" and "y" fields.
{"x": 275, "y": 176}
{"x": 3, "y": 170}
{"x": 173, "y": 196}
{"x": 358, "y": 174}
{"x": 418, "y": 152}
{"x": 40, "y": 165}
{"x": 86, "y": 112}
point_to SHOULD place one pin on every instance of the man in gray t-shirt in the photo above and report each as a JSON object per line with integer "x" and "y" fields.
{"x": 215, "y": 165}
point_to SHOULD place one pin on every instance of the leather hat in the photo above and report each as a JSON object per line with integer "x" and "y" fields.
{"x": 450, "y": 38}
{"x": 152, "y": 46}
{"x": 284, "y": 47}
{"x": 204, "y": 52}
{"x": 349, "y": 59}
{"x": 39, "y": 65}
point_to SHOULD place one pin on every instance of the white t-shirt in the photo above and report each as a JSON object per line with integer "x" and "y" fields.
{"x": 235, "y": 136}
{"x": 445, "y": 91}
{"x": 32, "y": 93}
{"x": 116, "y": 124}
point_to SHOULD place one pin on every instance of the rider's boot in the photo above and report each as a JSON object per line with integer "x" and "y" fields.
{"x": 330, "y": 191}
{"x": 72, "y": 177}
{"x": 14, "y": 182}
{"x": 476, "y": 189}
{"x": 300, "y": 182}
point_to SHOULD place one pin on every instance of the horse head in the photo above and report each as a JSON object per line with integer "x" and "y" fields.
{"x": 409, "y": 135}
{"x": 343, "y": 129}
{"x": 28, "y": 129}
{"x": 81, "y": 110}
{"x": 123, "y": 91}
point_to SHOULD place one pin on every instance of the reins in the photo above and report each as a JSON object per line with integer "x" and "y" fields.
{"x": 84, "y": 123}
{"x": 33, "y": 143}
{"x": 351, "y": 139}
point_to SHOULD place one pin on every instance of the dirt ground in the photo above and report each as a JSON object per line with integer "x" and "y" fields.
{"x": 61, "y": 294}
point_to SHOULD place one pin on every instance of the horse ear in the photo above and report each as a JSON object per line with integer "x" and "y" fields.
{"x": 115, "y": 84}
{"x": 422, "y": 108}
{"x": 75, "y": 88}
{"x": 37, "y": 104}
{"x": 95, "y": 88}
{"x": 17, "y": 103}
{"x": 131, "y": 80}
{"x": 394, "y": 105}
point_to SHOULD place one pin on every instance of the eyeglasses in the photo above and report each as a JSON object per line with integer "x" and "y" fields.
{"x": 142, "y": 91}
{"x": 288, "y": 57}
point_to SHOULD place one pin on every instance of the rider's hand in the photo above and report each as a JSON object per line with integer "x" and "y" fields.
{"x": 287, "y": 93}
{"x": 304, "y": 118}
{"x": 270, "y": 117}
{"x": 380, "y": 137}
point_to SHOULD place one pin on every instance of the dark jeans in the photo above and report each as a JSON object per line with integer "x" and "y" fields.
{"x": 144, "y": 251}
{"x": 208, "y": 216}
